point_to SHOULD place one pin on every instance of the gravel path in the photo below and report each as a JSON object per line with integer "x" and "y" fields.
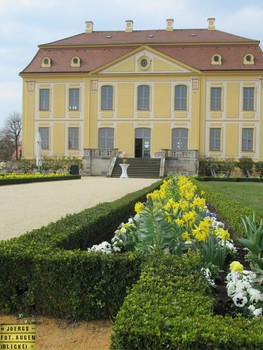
{"x": 29, "y": 206}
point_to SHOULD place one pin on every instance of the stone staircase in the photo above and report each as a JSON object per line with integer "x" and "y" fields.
{"x": 139, "y": 168}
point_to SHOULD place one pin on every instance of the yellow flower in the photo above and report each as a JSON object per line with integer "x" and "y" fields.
{"x": 127, "y": 225}
{"x": 186, "y": 236}
{"x": 179, "y": 222}
{"x": 189, "y": 217}
{"x": 183, "y": 204}
{"x": 198, "y": 202}
{"x": 223, "y": 234}
{"x": 199, "y": 234}
{"x": 236, "y": 266}
{"x": 205, "y": 225}
{"x": 138, "y": 207}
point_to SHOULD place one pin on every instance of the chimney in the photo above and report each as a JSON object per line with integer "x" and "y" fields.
{"x": 89, "y": 27}
{"x": 169, "y": 25}
{"x": 211, "y": 23}
{"x": 129, "y": 26}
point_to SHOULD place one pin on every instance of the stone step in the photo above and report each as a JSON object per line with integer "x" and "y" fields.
{"x": 138, "y": 168}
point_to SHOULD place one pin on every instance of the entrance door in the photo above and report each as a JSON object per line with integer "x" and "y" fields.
{"x": 138, "y": 148}
{"x": 142, "y": 142}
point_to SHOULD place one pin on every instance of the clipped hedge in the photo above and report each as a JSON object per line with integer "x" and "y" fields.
{"x": 30, "y": 179}
{"x": 230, "y": 179}
{"x": 40, "y": 271}
{"x": 170, "y": 308}
{"x": 232, "y": 211}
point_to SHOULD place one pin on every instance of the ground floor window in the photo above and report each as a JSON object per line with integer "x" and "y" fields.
{"x": 215, "y": 139}
{"x": 180, "y": 138}
{"x": 106, "y": 138}
{"x": 73, "y": 138}
{"x": 247, "y": 139}
{"x": 44, "y": 133}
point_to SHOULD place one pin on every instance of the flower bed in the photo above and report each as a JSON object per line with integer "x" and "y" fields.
{"x": 14, "y": 179}
{"x": 176, "y": 220}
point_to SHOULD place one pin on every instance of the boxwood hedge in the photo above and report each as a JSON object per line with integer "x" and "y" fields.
{"x": 49, "y": 270}
{"x": 170, "y": 307}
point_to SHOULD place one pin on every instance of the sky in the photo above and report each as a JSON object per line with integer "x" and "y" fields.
{"x": 25, "y": 24}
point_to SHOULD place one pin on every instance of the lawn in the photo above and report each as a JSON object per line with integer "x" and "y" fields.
{"x": 247, "y": 193}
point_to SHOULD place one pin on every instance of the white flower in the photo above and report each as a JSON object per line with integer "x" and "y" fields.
{"x": 239, "y": 300}
{"x": 208, "y": 275}
{"x": 257, "y": 312}
{"x": 104, "y": 247}
{"x": 229, "y": 245}
{"x": 231, "y": 289}
{"x": 251, "y": 308}
{"x": 255, "y": 295}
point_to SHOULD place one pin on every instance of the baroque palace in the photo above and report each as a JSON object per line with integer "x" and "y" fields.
{"x": 140, "y": 92}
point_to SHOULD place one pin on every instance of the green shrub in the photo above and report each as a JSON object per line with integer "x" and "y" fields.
{"x": 246, "y": 165}
{"x": 259, "y": 168}
{"x": 41, "y": 272}
{"x": 209, "y": 166}
{"x": 169, "y": 308}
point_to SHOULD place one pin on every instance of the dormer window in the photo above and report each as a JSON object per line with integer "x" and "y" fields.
{"x": 46, "y": 62}
{"x": 216, "y": 59}
{"x": 75, "y": 61}
{"x": 248, "y": 59}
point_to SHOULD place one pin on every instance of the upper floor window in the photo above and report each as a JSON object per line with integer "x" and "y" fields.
{"x": 248, "y": 98}
{"x": 44, "y": 133}
{"x": 143, "y": 100}
{"x": 107, "y": 97}
{"x": 73, "y": 138}
{"x": 180, "y": 138}
{"x": 106, "y": 138}
{"x": 180, "y": 97}
{"x": 44, "y": 99}
{"x": 74, "y": 99}
{"x": 247, "y": 139}
{"x": 215, "y": 139}
{"x": 215, "y": 98}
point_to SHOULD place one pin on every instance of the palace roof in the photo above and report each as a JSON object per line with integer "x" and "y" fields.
{"x": 192, "y": 47}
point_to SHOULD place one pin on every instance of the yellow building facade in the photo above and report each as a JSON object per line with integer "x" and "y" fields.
{"x": 145, "y": 91}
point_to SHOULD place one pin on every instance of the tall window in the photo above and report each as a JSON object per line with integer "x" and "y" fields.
{"x": 44, "y": 133}
{"x": 180, "y": 138}
{"x": 44, "y": 99}
{"x": 106, "y": 138}
{"x": 73, "y": 138}
{"x": 143, "y": 101}
{"x": 215, "y": 139}
{"x": 106, "y": 97}
{"x": 73, "y": 99}
{"x": 180, "y": 97}
{"x": 248, "y": 98}
{"x": 215, "y": 98}
{"x": 247, "y": 139}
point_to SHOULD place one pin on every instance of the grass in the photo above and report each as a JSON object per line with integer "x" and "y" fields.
{"x": 250, "y": 193}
